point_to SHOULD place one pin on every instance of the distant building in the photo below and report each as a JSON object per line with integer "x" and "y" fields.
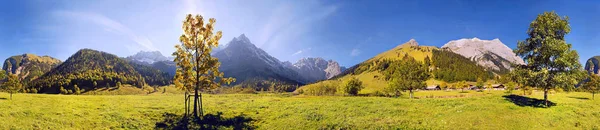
{"x": 433, "y": 87}
{"x": 498, "y": 86}
{"x": 473, "y": 87}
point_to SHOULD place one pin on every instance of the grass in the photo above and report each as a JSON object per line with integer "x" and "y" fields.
{"x": 488, "y": 110}
{"x": 374, "y": 81}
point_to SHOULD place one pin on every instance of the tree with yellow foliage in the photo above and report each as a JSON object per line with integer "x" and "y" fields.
{"x": 196, "y": 69}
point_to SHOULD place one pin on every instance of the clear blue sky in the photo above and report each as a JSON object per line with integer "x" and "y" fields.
{"x": 346, "y": 31}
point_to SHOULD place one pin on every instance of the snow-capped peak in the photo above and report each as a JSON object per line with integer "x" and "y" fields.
{"x": 148, "y": 57}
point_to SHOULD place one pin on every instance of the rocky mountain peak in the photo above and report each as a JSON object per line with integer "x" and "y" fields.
{"x": 592, "y": 65}
{"x": 411, "y": 42}
{"x": 488, "y": 53}
{"x": 148, "y": 57}
{"x": 317, "y": 68}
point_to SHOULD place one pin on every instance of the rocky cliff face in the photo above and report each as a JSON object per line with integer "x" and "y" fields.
{"x": 147, "y": 57}
{"x": 154, "y": 59}
{"x": 492, "y": 54}
{"x": 29, "y": 66}
{"x": 247, "y": 63}
{"x": 315, "y": 69}
{"x": 591, "y": 65}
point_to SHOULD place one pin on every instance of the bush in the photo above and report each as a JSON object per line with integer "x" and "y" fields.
{"x": 321, "y": 88}
{"x": 351, "y": 87}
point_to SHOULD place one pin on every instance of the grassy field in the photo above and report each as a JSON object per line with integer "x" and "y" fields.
{"x": 475, "y": 110}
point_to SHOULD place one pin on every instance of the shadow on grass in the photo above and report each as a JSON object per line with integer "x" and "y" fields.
{"x": 3, "y": 98}
{"x": 581, "y": 98}
{"x": 207, "y": 122}
{"x": 527, "y": 101}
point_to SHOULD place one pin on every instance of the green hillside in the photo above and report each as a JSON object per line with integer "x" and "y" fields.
{"x": 152, "y": 76}
{"x": 445, "y": 66}
{"x": 88, "y": 69}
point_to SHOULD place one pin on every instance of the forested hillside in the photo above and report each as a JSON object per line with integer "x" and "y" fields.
{"x": 452, "y": 67}
{"x": 444, "y": 66}
{"x": 88, "y": 69}
{"x": 152, "y": 76}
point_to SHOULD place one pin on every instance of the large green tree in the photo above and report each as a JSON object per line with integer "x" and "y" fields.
{"x": 407, "y": 74}
{"x": 592, "y": 85}
{"x": 550, "y": 61}
{"x": 196, "y": 69}
{"x": 12, "y": 85}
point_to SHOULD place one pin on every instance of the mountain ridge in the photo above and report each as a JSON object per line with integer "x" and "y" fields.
{"x": 29, "y": 66}
{"x": 247, "y": 63}
{"x": 492, "y": 54}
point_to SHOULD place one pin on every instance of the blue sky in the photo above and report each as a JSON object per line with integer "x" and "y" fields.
{"x": 346, "y": 31}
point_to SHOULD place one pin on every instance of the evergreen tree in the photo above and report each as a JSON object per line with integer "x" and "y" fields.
{"x": 427, "y": 61}
{"x": 196, "y": 69}
{"x": 550, "y": 61}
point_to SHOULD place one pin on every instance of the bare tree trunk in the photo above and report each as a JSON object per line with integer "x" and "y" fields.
{"x": 10, "y": 96}
{"x": 546, "y": 96}
{"x": 196, "y": 103}
{"x": 411, "y": 94}
{"x": 593, "y": 96}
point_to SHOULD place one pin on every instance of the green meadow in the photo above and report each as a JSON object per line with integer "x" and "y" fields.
{"x": 433, "y": 110}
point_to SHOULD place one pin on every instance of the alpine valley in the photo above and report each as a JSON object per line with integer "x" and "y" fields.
{"x": 458, "y": 60}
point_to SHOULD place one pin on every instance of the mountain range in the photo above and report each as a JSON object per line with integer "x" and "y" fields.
{"x": 464, "y": 59}
{"x": 154, "y": 59}
{"x": 315, "y": 69}
{"x": 492, "y": 54}
{"x": 248, "y": 64}
{"x": 444, "y": 66}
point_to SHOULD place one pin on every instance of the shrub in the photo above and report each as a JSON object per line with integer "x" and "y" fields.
{"x": 351, "y": 87}
{"x": 321, "y": 88}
